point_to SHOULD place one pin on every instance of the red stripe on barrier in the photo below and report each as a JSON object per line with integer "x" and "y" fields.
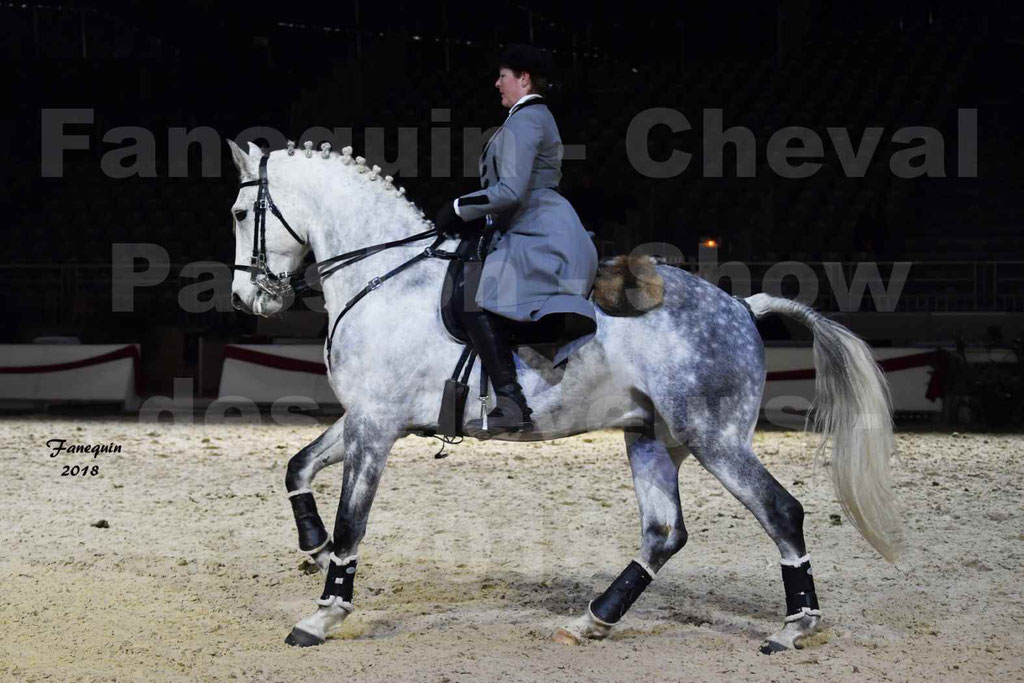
{"x": 272, "y": 361}
{"x": 130, "y": 351}
{"x": 933, "y": 358}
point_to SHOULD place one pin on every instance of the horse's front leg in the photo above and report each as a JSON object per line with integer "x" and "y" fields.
{"x": 367, "y": 442}
{"x": 325, "y": 450}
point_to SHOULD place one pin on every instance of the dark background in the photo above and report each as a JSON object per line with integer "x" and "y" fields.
{"x": 365, "y": 64}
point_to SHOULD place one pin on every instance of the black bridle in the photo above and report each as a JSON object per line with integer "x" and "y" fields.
{"x": 274, "y": 284}
{"x": 279, "y": 284}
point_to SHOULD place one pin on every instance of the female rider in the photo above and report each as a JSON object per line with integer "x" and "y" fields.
{"x": 540, "y": 264}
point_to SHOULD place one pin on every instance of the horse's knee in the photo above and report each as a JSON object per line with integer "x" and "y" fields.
{"x": 664, "y": 539}
{"x": 294, "y": 477}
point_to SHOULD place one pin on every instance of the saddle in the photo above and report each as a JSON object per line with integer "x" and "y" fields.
{"x": 457, "y": 294}
{"x": 460, "y": 284}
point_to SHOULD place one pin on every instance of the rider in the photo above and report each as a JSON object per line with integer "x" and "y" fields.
{"x": 541, "y": 265}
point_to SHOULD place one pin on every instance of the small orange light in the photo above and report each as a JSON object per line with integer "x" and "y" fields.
{"x": 709, "y": 243}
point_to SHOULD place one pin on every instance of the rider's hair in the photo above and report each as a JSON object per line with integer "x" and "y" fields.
{"x": 539, "y": 84}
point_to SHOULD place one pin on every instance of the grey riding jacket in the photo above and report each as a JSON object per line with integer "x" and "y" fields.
{"x": 542, "y": 260}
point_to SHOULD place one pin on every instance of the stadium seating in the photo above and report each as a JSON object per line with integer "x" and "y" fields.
{"x": 884, "y": 78}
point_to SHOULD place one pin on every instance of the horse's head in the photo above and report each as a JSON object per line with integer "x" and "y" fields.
{"x": 270, "y": 240}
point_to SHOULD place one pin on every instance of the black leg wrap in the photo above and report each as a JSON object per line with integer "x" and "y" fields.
{"x": 340, "y": 581}
{"x": 621, "y": 595}
{"x": 312, "y": 533}
{"x": 799, "y": 584}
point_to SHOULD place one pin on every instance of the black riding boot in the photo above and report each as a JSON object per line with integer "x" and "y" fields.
{"x": 510, "y": 414}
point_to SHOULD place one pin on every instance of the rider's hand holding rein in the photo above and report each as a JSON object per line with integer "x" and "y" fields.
{"x": 448, "y": 223}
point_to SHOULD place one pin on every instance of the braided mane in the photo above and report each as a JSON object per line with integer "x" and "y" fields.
{"x": 370, "y": 173}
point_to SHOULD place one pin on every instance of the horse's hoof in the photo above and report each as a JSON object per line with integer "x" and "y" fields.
{"x": 792, "y": 634}
{"x": 770, "y": 647}
{"x": 300, "y": 638}
{"x": 566, "y": 637}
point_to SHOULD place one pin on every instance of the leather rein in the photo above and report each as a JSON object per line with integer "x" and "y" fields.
{"x": 279, "y": 284}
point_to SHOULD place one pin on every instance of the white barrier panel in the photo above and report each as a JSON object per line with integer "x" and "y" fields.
{"x": 70, "y": 372}
{"x": 266, "y": 373}
{"x": 910, "y": 372}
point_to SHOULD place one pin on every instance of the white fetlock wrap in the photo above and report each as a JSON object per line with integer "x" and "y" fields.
{"x": 334, "y": 600}
{"x": 804, "y": 612}
{"x": 313, "y": 553}
{"x": 343, "y": 560}
{"x": 797, "y": 562}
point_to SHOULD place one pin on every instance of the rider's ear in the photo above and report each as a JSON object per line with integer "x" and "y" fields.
{"x": 243, "y": 162}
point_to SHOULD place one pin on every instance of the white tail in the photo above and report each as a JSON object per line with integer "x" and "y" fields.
{"x": 852, "y": 409}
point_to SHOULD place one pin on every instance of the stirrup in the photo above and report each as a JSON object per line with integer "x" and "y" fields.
{"x": 474, "y": 429}
{"x": 500, "y": 423}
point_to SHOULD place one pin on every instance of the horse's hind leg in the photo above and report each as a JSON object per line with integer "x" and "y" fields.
{"x": 655, "y": 471}
{"x": 782, "y": 516}
{"x": 302, "y": 467}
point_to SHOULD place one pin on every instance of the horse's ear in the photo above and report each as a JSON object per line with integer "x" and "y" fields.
{"x": 243, "y": 162}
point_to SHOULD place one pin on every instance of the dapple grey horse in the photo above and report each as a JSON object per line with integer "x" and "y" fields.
{"x": 684, "y": 378}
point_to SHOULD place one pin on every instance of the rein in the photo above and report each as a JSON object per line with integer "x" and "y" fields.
{"x": 378, "y": 281}
{"x": 277, "y": 284}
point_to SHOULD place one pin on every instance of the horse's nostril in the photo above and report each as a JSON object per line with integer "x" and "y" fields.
{"x": 236, "y": 301}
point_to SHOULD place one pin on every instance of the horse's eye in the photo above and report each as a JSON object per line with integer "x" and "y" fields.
{"x": 240, "y": 215}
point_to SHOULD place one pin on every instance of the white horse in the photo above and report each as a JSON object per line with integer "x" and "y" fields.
{"x": 684, "y": 378}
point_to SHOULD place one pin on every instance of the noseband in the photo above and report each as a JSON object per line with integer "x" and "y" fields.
{"x": 274, "y": 284}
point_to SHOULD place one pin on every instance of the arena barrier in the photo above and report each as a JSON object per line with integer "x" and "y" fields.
{"x": 916, "y": 377}
{"x": 266, "y": 373}
{"x": 94, "y": 373}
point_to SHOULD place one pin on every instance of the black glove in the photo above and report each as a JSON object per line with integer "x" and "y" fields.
{"x": 448, "y": 223}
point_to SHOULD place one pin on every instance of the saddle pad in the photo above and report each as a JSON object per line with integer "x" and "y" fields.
{"x": 454, "y": 280}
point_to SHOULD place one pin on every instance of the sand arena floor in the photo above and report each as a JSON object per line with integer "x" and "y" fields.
{"x": 471, "y": 562}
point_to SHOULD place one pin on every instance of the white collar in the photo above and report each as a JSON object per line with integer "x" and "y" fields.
{"x": 522, "y": 99}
